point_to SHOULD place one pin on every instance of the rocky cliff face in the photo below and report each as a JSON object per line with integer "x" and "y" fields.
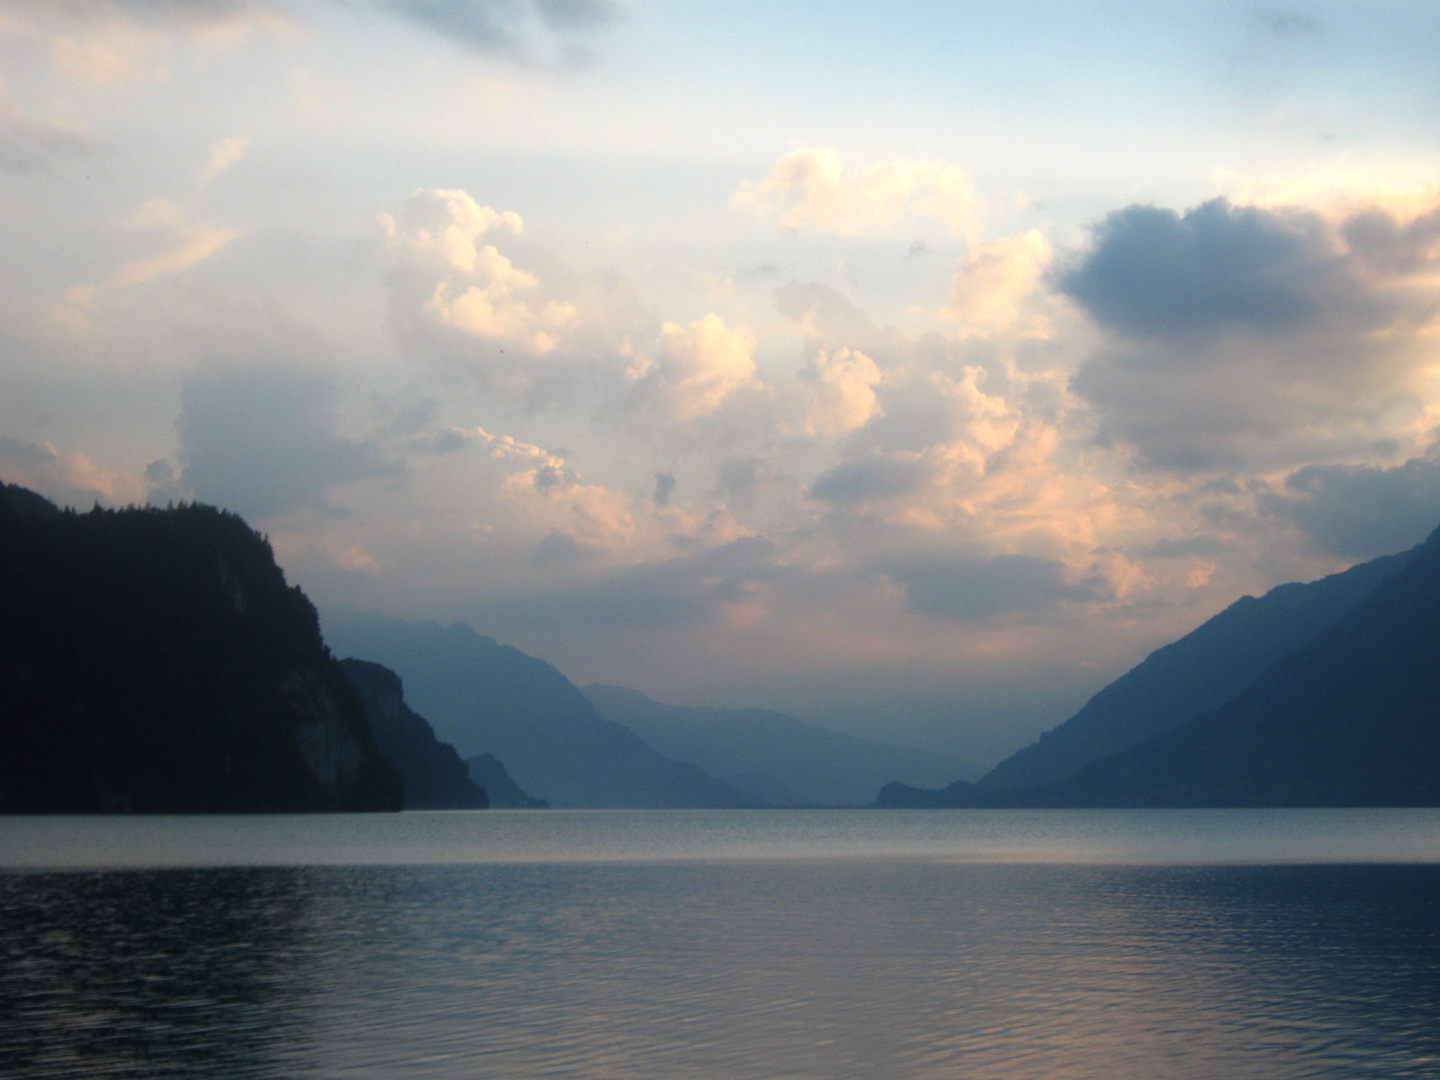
{"x": 435, "y": 777}
{"x": 156, "y": 661}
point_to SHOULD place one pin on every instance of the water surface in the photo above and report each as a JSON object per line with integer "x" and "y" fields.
{"x": 724, "y": 945}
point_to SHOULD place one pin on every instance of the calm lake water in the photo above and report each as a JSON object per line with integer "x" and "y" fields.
{"x": 748, "y": 944}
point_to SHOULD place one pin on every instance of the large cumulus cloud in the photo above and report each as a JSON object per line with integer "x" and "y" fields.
{"x": 1361, "y": 511}
{"x": 259, "y": 426}
{"x": 1240, "y": 333}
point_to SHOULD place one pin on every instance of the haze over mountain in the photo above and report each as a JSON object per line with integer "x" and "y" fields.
{"x": 1350, "y": 719}
{"x": 1195, "y": 675}
{"x": 435, "y": 777}
{"x": 156, "y": 661}
{"x": 490, "y": 773}
{"x": 688, "y": 347}
{"x": 775, "y": 758}
{"x": 484, "y": 697}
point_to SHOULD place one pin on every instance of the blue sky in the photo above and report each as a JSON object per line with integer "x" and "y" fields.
{"x": 915, "y": 368}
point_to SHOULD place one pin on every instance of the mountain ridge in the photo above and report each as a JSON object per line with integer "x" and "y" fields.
{"x": 485, "y": 697}
{"x": 779, "y": 759}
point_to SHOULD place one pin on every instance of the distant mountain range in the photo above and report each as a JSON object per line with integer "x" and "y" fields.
{"x": 1193, "y": 676}
{"x": 775, "y": 758}
{"x": 490, "y": 698}
{"x": 1344, "y": 711}
{"x": 156, "y": 661}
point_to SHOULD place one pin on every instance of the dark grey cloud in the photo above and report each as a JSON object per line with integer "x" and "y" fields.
{"x": 919, "y": 249}
{"x": 1153, "y": 271}
{"x": 664, "y": 488}
{"x": 966, "y": 589}
{"x": 853, "y": 483}
{"x": 262, "y": 440}
{"x": 1363, "y": 511}
{"x": 1233, "y": 329}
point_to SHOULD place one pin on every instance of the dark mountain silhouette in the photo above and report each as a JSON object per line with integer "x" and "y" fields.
{"x": 1350, "y": 719}
{"x": 489, "y": 698}
{"x": 1195, "y": 675}
{"x": 776, "y": 758}
{"x": 435, "y": 777}
{"x": 155, "y": 661}
{"x": 487, "y": 771}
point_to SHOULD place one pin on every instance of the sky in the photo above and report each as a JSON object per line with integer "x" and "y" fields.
{"x": 913, "y": 368}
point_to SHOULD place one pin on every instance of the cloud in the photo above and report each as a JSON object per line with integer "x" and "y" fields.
{"x": 1361, "y": 511}
{"x": 189, "y": 243}
{"x": 843, "y": 382}
{"x": 967, "y": 589}
{"x": 857, "y": 483}
{"x": 559, "y": 548}
{"x": 652, "y": 596}
{"x": 823, "y": 312}
{"x": 1232, "y": 329}
{"x": 223, "y": 154}
{"x": 664, "y": 488}
{"x": 73, "y": 479}
{"x": 525, "y": 31}
{"x": 693, "y": 373}
{"x": 1215, "y": 268}
{"x": 1286, "y": 22}
{"x": 991, "y": 285}
{"x": 469, "y": 294}
{"x": 258, "y": 423}
{"x": 453, "y": 288}
{"x": 810, "y": 190}
{"x": 33, "y": 144}
{"x": 127, "y": 42}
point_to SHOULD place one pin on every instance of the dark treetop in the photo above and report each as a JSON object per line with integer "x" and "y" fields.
{"x": 155, "y": 661}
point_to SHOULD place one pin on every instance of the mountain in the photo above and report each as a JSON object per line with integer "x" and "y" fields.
{"x": 155, "y": 661}
{"x": 487, "y": 771}
{"x": 1350, "y": 719}
{"x": 1194, "y": 675}
{"x": 489, "y": 698}
{"x": 776, "y": 758}
{"x": 435, "y": 777}
{"x": 898, "y": 796}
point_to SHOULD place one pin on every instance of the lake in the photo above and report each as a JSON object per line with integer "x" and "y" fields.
{"x": 725, "y": 944}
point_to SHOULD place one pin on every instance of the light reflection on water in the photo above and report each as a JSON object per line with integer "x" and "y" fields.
{"x": 721, "y": 968}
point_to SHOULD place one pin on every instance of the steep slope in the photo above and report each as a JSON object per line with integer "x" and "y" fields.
{"x": 1195, "y": 675}
{"x": 774, "y": 757}
{"x": 489, "y": 698}
{"x": 435, "y": 777}
{"x": 1351, "y": 719}
{"x": 155, "y": 661}
{"x": 488, "y": 771}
